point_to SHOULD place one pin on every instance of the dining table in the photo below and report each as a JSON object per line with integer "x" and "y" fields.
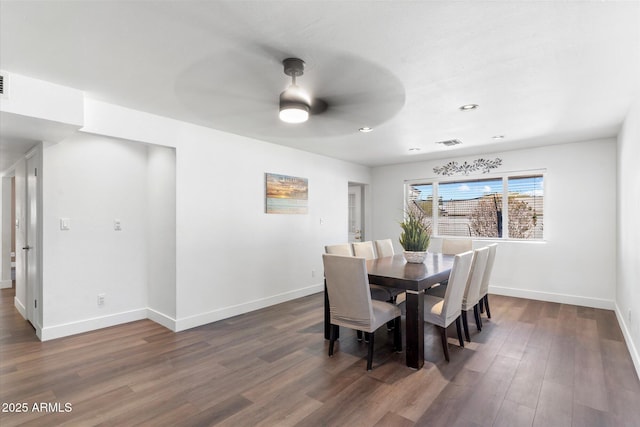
{"x": 395, "y": 272}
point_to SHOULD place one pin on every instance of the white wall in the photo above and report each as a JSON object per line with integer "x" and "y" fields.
{"x": 92, "y": 181}
{"x": 231, "y": 257}
{"x": 628, "y": 287}
{"x": 40, "y": 99}
{"x": 161, "y": 234}
{"x": 252, "y": 258}
{"x": 576, "y": 262}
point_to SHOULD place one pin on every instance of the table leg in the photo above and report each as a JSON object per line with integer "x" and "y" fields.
{"x": 415, "y": 329}
{"x": 327, "y": 322}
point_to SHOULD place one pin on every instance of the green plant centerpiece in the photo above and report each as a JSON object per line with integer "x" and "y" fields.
{"x": 416, "y": 234}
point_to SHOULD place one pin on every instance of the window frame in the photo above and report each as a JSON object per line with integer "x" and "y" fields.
{"x": 504, "y": 176}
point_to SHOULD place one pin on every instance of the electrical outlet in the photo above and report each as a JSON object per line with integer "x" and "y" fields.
{"x": 101, "y": 298}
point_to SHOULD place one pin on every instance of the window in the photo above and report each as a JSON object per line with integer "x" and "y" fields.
{"x": 422, "y": 196}
{"x": 525, "y": 202}
{"x": 503, "y": 207}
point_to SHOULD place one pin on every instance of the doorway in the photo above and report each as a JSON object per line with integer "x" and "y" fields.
{"x": 7, "y": 250}
{"x": 22, "y": 226}
{"x": 356, "y": 212}
{"x": 31, "y": 246}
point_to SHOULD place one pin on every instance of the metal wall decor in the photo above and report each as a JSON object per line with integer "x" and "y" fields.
{"x": 465, "y": 168}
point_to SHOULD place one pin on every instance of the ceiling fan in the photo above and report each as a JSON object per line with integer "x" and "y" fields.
{"x": 242, "y": 94}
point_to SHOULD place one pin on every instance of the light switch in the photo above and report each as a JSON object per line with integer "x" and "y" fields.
{"x": 116, "y": 225}
{"x": 65, "y": 224}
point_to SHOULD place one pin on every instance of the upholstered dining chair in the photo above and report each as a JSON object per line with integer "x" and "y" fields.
{"x": 456, "y": 246}
{"x": 450, "y": 247}
{"x": 472, "y": 292}
{"x": 350, "y": 303}
{"x": 484, "y": 287}
{"x": 442, "y": 312}
{"x": 384, "y": 248}
{"x": 343, "y": 249}
{"x": 365, "y": 250}
{"x": 377, "y": 292}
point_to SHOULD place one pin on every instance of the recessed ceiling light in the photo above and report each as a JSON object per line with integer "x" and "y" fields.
{"x": 496, "y": 137}
{"x": 413, "y": 149}
{"x": 469, "y": 107}
{"x": 365, "y": 129}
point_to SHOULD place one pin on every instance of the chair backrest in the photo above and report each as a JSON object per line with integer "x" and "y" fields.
{"x": 342, "y": 249}
{"x": 456, "y": 246}
{"x": 456, "y": 287}
{"x": 484, "y": 287}
{"x": 384, "y": 248}
{"x": 348, "y": 288}
{"x": 364, "y": 250}
{"x": 478, "y": 266}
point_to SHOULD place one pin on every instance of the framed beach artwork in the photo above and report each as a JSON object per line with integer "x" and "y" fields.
{"x": 286, "y": 194}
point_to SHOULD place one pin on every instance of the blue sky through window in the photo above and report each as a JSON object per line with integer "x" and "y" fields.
{"x": 464, "y": 190}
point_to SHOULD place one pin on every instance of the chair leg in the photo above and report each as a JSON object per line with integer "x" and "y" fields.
{"x": 370, "y": 353}
{"x": 481, "y": 305}
{"x": 390, "y": 326}
{"x": 397, "y": 335}
{"x": 390, "y": 323}
{"x": 476, "y": 314}
{"x": 333, "y": 329}
{"x": 359, "y": 335}
{"x": 459, "y": 330}
{"x": 486, "y": 303}
{"x": 445, "y": 344}
{"x": 465, "y": 324}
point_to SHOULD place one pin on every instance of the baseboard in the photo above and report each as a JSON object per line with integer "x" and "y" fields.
{"x": 633, "y": 350}
{"x": 161, "y": 319}
{"x": 226, "y": 312}
{"x": 20, "y": 307}
{"x": 72, "y": 328}
{"x": 6, "y": 284}
{"x": 553, "y": 297}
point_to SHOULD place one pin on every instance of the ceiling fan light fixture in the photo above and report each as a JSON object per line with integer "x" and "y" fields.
{"x": 294, "y": 105}
{"x": 298, "y": 113}
{"x": 294, "y": 101}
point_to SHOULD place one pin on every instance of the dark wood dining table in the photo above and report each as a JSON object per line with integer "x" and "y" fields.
{"x": 395, "y": 272}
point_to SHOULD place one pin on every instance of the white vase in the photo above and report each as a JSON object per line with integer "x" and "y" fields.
{"x": 415, "y": 257}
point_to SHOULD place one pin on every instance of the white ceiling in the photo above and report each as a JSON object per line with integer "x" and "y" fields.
{"x": 541, "y": 72}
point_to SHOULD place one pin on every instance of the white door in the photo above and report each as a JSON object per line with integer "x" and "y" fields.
{"x": 30, "y": 248}
{"x": 356, "y": 233}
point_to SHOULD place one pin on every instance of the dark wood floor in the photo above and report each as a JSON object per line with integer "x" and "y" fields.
{"x": 534, "y": 363}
